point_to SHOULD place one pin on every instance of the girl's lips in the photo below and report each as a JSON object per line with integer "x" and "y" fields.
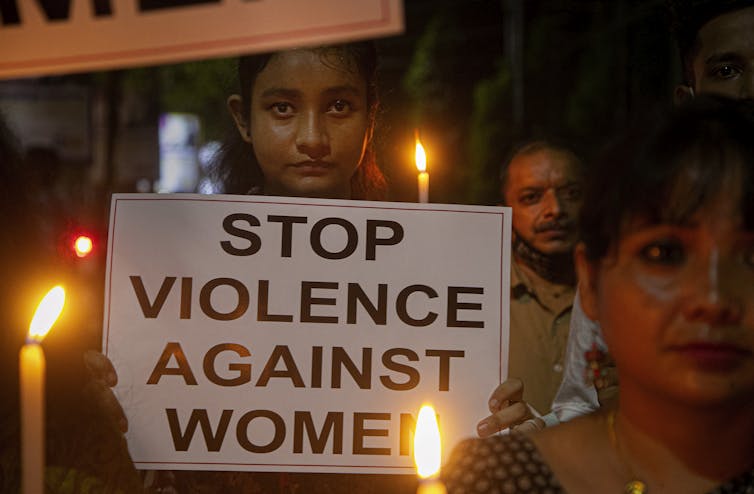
{"x": 713, "y": 356}
{"x": 312, "y": 168}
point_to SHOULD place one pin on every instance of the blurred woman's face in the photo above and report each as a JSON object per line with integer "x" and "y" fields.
{"x": 676, "y": 302}
{"x": 309, "y": 124}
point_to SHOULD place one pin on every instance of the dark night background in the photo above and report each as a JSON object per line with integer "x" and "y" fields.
{"x": 474, "y": 77}
{"x": 484, "y": 75}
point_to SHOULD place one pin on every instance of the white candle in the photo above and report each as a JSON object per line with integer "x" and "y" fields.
{"x": 428, "y": 452}
{"x": 31, "y": 382}
{"x": 423, "y": 179}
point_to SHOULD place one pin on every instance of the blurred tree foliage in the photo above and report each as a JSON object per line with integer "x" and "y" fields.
{"x": 200, "y": 88}
{"x": 457, "y": 49}
{"x": 492, "y": 101}
{"x": 590, "y": 67}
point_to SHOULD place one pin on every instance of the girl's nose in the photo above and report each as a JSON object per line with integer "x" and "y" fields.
{"x": 311, "y": 136}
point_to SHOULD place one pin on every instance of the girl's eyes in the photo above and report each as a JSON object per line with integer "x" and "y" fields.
{"x": 281, "y": 108}
{"x": 664, "y": 252}
{"x": 339, "y": 107}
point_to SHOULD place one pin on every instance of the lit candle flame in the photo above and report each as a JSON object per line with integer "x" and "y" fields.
{"x": 420, "y": 157}
{"x": 427, "y": 448}
{"x": 47, "y": 313}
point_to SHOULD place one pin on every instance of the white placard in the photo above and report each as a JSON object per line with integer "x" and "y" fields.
{"x": 280, "y": 334}
{"x": 41, "y": 38}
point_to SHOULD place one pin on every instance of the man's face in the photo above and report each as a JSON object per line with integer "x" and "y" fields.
{"x": 724, "y": 63}
{"x": 544, "y": 189}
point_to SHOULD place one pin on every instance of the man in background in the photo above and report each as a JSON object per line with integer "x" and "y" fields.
{"x": 542, "y": 182}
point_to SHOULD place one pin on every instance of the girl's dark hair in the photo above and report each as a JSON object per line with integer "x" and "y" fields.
{"x": 665, "y": 172}
{"x": 237, "y": 167}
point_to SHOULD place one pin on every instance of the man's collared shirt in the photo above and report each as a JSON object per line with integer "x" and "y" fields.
{"x": 540, "y": 313}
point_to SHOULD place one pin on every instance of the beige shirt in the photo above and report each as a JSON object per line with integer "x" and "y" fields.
{"x": 540, "y": 314}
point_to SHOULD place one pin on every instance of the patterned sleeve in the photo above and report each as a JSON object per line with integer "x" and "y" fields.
{"x": 499, "y": 464}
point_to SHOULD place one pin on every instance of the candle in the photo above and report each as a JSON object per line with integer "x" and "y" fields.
{"x": 420, "y": 158}
{"x": 428, "y": 452}
{"x": 31, "y": 372}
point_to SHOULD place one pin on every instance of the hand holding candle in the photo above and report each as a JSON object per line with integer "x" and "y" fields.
{"x": 428, "y": 452}
{"x": 421, "y": 164}
{"x": 31, "y": 372}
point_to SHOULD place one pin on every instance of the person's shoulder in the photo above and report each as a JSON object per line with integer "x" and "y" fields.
{"x": 492, "y": 445}
{"x": 497, "y": 463}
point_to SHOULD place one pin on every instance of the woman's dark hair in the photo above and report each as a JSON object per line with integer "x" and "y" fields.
{"x": 237, "y": 167}
{"x": 665, "y": 172}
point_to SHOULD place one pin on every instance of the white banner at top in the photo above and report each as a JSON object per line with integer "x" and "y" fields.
{"x": 44, "y": 37}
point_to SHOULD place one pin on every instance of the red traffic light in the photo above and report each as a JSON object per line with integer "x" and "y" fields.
{"x": 83, "y": 245}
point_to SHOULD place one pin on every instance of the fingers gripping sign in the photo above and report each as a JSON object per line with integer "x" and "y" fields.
{"x": 508, "y": 410}
{"x": 102, "y": 378}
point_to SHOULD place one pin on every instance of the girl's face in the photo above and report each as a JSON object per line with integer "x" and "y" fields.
{"x": 309, "y": 124}
{"x": 676, "y": 302}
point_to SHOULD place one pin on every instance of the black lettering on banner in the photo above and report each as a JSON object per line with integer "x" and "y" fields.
{"x": 255, "y": 243}
{"x": 410, "y": 372}
{"x": 340, "y": 358}
{"x": 291, "y": 371}
{"x": 149, "y": 309}
{"x": 242, "y": 431}
{"x": 186, "y": 290}
{"x": 9, "y": 13}
{"x": 263, "y": 300}
{"x": 147, "y": 5}
{"x": 102, "y": 7}
{"x": 205, "y": 299}
{"x": 307, "y": 301}
{"x": 406, "y": 443}
{"x": 360, "y": 432}
{"x": 333, "y": 424}
{"x": 378, "y": 313}
{"x": 172, "y": 349}
{"x": 373, "y": 240}
{"x": 454, "y": 305}
{"x": 445, "y": 356}
{"x": 401, "y": 303}
{"x": 54, "y": 10}
{"x": 316, "y": 238}
{"x": 316, "y": 367}
{"x": 244, "y": 370}
{"x": 287, "y": 233}
{"x": 407, "y": 428}
{"x": 182, "y": 440}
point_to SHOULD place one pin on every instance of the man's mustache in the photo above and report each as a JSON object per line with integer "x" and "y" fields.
{"x": 567, "y": 225}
